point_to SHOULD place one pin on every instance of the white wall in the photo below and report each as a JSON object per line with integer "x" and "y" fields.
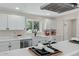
{"x": 68, "y": 29}
{"x": 74, "y": 27}
{"x": 63, "y": 24}
{"x": 59, "y": 30}
{"x": 45, "y": 23}
{"x": 50, "y": 24}
{"x": 77, "y": 27}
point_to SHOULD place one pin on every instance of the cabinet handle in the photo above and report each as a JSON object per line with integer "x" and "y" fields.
{"x": 7, "y": 28}
{"x": 9, "y": 46}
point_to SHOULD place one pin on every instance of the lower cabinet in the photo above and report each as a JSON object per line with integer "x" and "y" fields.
{"x": 9, "y": 45}
{"x": 15, "y": 44}
{"x": 4, "y": 46}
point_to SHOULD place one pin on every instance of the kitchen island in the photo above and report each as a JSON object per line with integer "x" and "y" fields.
{"x": 68, "y": 49}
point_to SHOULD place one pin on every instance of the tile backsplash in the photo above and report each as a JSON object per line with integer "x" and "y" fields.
{"x": 11, "y": 33}
{"x": 15, "y": 33}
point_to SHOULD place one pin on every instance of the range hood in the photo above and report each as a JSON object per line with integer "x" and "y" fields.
{"x": 59, "y": 7}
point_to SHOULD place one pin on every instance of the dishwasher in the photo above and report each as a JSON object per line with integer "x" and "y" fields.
{"x": 25, "y": 43}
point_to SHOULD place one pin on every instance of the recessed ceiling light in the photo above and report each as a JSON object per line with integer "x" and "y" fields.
{"x": 17, "y": 8}
{"x": 48, "y": 14}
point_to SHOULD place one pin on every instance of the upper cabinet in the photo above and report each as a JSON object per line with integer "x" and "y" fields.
{"x": 16, "y": 22}
{"x": 3, "y": 21}
{"x": 12, "y": 22}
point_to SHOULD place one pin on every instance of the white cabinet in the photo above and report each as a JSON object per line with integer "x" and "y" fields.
{"x": 12, "y": 22}
{"x": 3, "y": 21}
{"x": 4, "y": 46}
{"x": 15, "y": 44}
{"x": 59, "y": 30}
{"x": 9, "y": 45}
{"x": 16, "y": 22}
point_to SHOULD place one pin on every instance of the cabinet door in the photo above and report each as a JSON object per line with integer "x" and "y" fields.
{"x": 3, "y": 22}
{"x": 16, "y": 22}
{"x": 15, "y": 44}
{"x": 4, "y": 46}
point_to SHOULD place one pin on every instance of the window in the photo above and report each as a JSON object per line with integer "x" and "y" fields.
{"x": 29, "y": 25}
{"x": 36, "y": 25}
{"x": 32, "y": 25}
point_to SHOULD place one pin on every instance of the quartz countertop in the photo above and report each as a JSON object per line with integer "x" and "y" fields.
{"x": 25, "y": 37}
{"x": 66, "y": 47}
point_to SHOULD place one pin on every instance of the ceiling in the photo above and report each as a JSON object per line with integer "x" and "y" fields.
{"x": 30, "y": 8}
